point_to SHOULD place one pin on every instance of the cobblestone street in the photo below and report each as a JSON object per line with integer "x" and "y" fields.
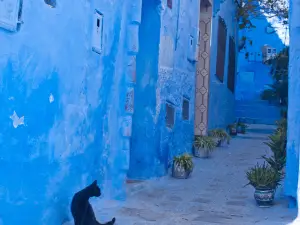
{"x": 215, "y": 194}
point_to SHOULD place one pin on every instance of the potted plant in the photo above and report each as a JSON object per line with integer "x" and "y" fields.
{"x": 277, "y": 145}
{"x": 220, "y": 136}
{"x": 203, "y": 146}
{"x": 182, "y": 166}
{"x": 241, "y": 128}
{"x": 265, "y": 181}
{"x": 232, "y": 129}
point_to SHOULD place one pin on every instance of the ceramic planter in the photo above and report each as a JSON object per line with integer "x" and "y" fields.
{"x": 239, "y": 129}
{"x": 218, "y": 141}
{"x": 223, "y": 143}
{"x": 201, "y": 153}
{"x": 264, "y": 197}
{"x": 233, "y": 131}
{"x": 179, "y": 172}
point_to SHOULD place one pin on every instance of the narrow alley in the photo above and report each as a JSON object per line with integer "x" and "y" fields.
{"x": 215, "y": 194}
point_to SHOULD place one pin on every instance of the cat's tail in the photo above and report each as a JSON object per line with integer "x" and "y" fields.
{"x": 112, "y": 222}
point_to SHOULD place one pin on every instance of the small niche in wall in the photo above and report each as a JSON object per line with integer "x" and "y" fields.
{"x": 170, "y": 115}
{"x": 170, "y": 4}
{"x": 97, "y": 32}
{"x": 193, "y": 45}
{"x": 51, "y": 3}
{"x": 11, "y": 14}
{"x": 185, "y": 109}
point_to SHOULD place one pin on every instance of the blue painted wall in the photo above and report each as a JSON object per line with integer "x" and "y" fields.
{"x": 248, "y": 91}
{"x": 262, "y": 77}
{"x": 161, "y": 79}
{"x": 291, "y": 183}
{"x": 64, "y": 144}
{"x": 221, "y": 99}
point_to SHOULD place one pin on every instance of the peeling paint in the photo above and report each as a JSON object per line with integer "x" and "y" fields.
{"x": 51, "y": 98}
{"x": 17, "y": 121}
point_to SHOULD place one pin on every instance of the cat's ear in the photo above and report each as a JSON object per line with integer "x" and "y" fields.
{"x": 95, "y": 182}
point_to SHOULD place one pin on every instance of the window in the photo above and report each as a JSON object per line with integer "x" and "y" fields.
{"x": 269, "y": 50}
{"x": 11, "y": 14}
{"x": 97, "y": 32}
{"x": 170, "y": 4}
{"x": 51, "y": 3}
{"x": 274, "y": 50}
{"x": 231, "y": 65}
{"x": 170, "y": 115}
{"x": 185, "y": 109}
{"x": 221, "y": 49}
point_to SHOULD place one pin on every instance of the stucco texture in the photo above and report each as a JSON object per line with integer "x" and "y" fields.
{"x": 221, "y": 99}
{"x": 71, "y": 100}
{"x": 164, "y": 75}
{"x": 292, "y": 166}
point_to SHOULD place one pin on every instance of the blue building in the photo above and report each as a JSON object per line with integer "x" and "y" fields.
{"x": 99, "y": 90}
{"x": 106, "y": 91}
{"x": 65, "y": 80}
{"x": 254, "y": 74}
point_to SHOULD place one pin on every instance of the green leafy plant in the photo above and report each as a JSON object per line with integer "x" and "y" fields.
{"x": 206, "y": 143}
{"x": 263, "y": 177}
{"x": 185, "y": 161}
{"x": 220, "y": 134}
{"x": 242, "y": 125}
{"x": 277, "y": 144}
{"x": 233, "y": 125}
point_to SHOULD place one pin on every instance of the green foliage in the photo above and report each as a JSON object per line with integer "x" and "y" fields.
{"x": 263, "y": 176}
{"x": 184, "y": 161}
{"x": 247, "y": 10}
{"x": 279, "y": 70}
{"x": 242, "y": 125}
{"x": 220, "y": 133}
{"x": 233, "y": 125}
{"x": 205, "y": 142}
{"x": 277, "y": 144}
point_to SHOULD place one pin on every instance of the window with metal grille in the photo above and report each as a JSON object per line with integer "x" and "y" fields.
{"x": 51, "y": 3}
{"x": 170, "y": 3}
{"x": 231, "y": 65}
{"x": 170, "y": 115}
{"x": 185, "y": 109}
{"x": 221, "y": 49}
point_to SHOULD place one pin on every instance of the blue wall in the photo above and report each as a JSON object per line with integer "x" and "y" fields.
{"x": 262, "y": 77}
{"x": 221, "y": 99}
{"x": 291, "y": 183}
{"x": 249, "y": 88}
{"x": 67, "y": 143}
{"x": 153, "y": 144}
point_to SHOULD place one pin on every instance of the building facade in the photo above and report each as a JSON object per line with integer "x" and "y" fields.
{"x": 65, "y": 108}
{"x": 163, "y": 117}
{"x": 254, "y": 73}
{"x": 291, "y": 184}
{"x": 99, "y": 90}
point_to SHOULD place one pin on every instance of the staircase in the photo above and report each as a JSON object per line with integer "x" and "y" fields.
{"x": 257, "y": 111}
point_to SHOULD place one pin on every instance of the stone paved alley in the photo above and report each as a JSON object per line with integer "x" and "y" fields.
{"x": 215, "y": 194}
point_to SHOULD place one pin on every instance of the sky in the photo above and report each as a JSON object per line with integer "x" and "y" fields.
{"x": 282, "y": 31}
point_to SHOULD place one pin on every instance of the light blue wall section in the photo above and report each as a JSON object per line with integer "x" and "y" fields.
{"x": 164, "y": 38}
{"x": 258, "y": 36}
{"x": 291, "y": 184}
{"x": 67, "y": 143}
{"x": 221, "y": 99}
{"x": 250, "y": 86}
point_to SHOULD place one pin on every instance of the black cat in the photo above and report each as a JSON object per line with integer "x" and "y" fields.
{"x": 82, "y": 210}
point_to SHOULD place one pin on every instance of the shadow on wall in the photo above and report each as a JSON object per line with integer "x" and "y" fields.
{"x": 145, "y": 144}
